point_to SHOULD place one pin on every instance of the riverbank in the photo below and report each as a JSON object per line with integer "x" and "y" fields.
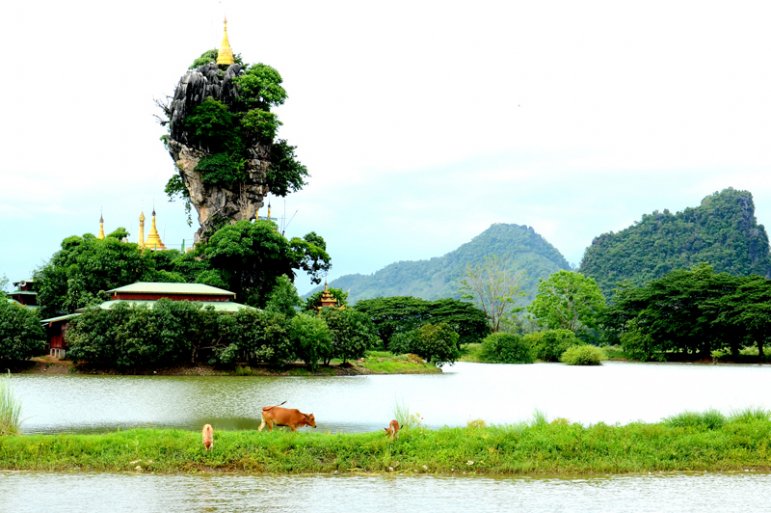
{"x": 375, "y": 362}
{"x": 686, "y": 443}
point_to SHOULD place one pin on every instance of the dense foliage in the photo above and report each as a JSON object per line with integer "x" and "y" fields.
{"x": 692, "y": 313}
{"x": 584, "y": 354}
{"x": 549, "y": 345}
{"x": 570, "y": 301}
{"x": 182, "y": 333}
{"x": 520, "y": 249}
{"x": 392, "y": 315}
{"x": 225, "y": 114}
{"x": 506, "y": 348}
{"x": 246, "y": 258}
{"x": 21, "y": 335}
{"x": 435, "y": 343}
{"x": 722, "y": 232}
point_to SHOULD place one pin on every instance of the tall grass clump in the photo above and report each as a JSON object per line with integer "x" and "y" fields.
{"x": 405, "y": 418}
{"x": 10, "y": 408}
{"x": 710, "y": 419}
{"x": 583, "y": 355}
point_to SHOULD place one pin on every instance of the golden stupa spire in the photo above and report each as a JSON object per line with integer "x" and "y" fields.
{"x": 101, "y": 227}
{"x": 225, "y": 53}
{"x": 141, "y": 241}
{"x": 153, "y": 239}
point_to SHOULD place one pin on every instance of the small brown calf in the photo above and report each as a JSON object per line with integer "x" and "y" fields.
{"x": 392, "y": 430}
{"x": 207, "y": 435}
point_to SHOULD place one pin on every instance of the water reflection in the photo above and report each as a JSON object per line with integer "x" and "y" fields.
{"x": 498, "y": 394}
{"x": 117, "y": 493}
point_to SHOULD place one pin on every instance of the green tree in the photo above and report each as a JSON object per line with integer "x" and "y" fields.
{"x": 283, "y": 298}
{"x": 352, "y": 334}
{"x": 494, "y": 289}
{"x": 251, "y": 256}
{"x": 21, "y": 335}
{"x": 435, "y": 343}
{"x": 401, "y": 314}
{"x": 569, "y": 300}
{"x": 311, "y": 338}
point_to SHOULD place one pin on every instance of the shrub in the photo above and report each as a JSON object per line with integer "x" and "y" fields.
{"x": 586, "y": 354}
{"x": 548, "y": 345}
{"x": 435, "y": 343}
{"x": 21, "y": 335}
{"x": 506, "y": 348}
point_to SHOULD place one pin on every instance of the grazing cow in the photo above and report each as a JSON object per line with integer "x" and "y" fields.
{"x": 289, "y": 417}
{"x": 207, "y": 435}
{"x": 393, "y": 429}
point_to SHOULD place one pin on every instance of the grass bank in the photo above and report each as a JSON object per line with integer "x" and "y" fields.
{"x": 689, "y": 442}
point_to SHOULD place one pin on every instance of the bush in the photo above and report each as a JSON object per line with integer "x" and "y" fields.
{"x": 586, "y": 354}
{"x": 549, "y": 345}
{"x": 435, "y": 343}
{"x": 506, "y": 348}
{"x": 21, "y": 335}
{"x": 711, "y": 419}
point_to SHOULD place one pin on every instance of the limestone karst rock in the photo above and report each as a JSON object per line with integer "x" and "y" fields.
{"x": 221, "y": 202}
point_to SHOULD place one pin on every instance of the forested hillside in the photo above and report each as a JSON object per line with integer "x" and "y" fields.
{"x": 722, "y": 232}
{"x": 520, "y": 248}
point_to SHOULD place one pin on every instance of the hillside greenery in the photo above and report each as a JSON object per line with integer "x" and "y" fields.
{"x": 519, "y": 248}
{"x": 721, "y": 232}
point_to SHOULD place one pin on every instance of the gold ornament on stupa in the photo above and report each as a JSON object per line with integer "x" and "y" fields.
{"x": 225, "y": 53}
{"x": 153, "y": 239}
{"x": 101, "y": 227}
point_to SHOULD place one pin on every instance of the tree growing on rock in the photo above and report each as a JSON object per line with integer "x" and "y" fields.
{"x": 224, "y": 141}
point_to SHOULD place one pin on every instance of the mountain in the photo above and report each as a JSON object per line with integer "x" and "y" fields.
{"x": 519, "y": 247}
{"x": 722, "y": 232}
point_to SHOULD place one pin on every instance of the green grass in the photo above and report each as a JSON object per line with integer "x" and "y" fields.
{"x": 10, "y": 408}
{"x": 471, "y": 353}
{"x": 385, "y": 362}
{"x": 741, "y": 442}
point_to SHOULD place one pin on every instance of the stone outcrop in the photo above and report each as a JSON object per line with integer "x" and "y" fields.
{"x": 214, "y": 204}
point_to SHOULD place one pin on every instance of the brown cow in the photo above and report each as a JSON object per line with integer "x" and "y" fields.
{"x": 393, "y": 429}
{"x": 207, "y": 435}
{"x": 289, "y": 417}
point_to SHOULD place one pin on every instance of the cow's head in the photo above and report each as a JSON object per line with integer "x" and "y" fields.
{"x": 310, "y": 419}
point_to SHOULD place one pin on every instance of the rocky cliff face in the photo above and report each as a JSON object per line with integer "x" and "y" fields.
{"x": 214, "y": 204}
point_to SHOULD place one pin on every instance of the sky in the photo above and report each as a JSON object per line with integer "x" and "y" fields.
{"x": 421, "y": 122}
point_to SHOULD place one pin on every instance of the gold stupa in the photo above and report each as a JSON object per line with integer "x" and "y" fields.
{"x": 225, "y": 53}
{"x": 153, "y": 239}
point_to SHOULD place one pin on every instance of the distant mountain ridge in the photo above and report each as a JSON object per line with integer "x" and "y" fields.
{"x": 722, "y": 231}
{"x": 519, "y": 247}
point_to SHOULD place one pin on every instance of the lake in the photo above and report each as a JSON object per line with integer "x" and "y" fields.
{"x": 35, "y": 492}
{"x": 614, "y": 393}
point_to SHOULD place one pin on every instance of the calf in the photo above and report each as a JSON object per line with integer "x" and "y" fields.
{"x": 207, "y": 435}
{"x": 290, "y": 417}
{"x": 392, "y": 430}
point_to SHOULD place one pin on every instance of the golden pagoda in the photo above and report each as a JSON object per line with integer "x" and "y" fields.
{"x": 141, "y": 240}
{"x": 225, "y": 53}
{"x": 101, "y": 227}
{"x": 153, "y": 241}
{"x": 327, "y": 299}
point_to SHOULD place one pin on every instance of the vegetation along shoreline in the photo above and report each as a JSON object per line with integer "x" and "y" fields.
{"x": 689, "y": 442}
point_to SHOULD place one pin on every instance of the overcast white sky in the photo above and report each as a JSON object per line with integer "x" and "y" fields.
{"x": 421, "y": 122}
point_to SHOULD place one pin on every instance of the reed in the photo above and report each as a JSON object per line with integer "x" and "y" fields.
{"x": 10, "y": 408}
{"x": 741, "y": 442}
